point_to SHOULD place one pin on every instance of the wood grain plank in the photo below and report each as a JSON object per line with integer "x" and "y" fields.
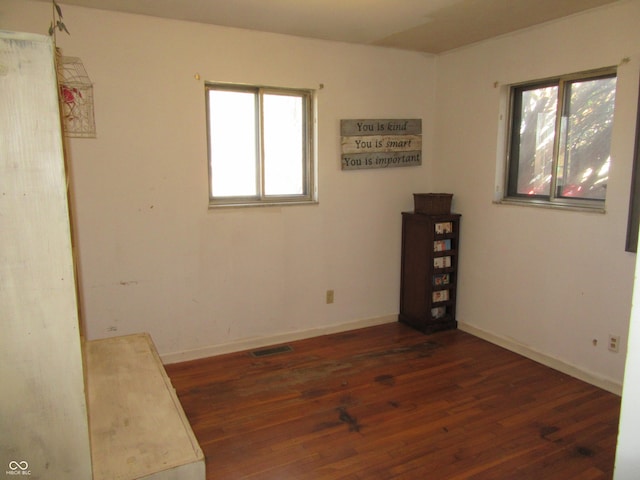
{"x": 387, "y": 402}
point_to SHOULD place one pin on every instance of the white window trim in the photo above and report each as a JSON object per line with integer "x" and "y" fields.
{"x": 501, "y": 196}
{"x": 261, "y": 200}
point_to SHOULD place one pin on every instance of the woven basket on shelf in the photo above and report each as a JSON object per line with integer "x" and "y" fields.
{"x": 432, "y": 203}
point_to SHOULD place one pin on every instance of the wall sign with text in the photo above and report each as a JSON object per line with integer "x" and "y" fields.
{"x": 381, "y": 143}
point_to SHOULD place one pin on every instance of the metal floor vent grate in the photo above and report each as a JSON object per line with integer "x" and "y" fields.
{"x": 265, "y": 352}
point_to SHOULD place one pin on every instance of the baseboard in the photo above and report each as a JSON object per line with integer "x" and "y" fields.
{"x": 549, "y": 361}
{"x": 258, "y": 342}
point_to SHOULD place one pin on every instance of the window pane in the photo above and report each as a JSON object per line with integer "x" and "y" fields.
{"x": 233, "y": 143}
{"x": 284, "y": 158}
{"x": 536, "y": 137}
{"x": 583, "y": 163}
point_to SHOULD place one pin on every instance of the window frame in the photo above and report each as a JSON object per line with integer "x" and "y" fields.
{"x": 309, "y": 194}
{"x": 513, "y": 121}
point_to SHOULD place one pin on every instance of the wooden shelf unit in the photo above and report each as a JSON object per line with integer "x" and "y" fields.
{"x": 429, "y": 271}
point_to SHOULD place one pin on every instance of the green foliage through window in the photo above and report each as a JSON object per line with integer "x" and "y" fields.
{"x": 560, "y": 139}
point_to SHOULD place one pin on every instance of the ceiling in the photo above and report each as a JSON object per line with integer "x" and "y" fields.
{"x": 431, "y": 26}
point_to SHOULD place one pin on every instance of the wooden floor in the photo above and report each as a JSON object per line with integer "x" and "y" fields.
{"x": 388, "y": 403}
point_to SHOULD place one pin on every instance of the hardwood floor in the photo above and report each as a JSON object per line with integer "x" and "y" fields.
{"x": 388, "y": 402}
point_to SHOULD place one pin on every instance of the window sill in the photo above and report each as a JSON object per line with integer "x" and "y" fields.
{"x": 551, "y": 205}
{"x": 241, "y": 204}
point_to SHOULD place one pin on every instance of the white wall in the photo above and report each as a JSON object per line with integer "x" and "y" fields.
{"x": 627, "y": 458}
{"x": 547, "y": 281}
{"x": 154, "y": 258}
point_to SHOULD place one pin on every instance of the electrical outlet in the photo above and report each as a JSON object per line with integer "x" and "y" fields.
{"x": 329, "y": 297}
{"x": 614, "y": 343}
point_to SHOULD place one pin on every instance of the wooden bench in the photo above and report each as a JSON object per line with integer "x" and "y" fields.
{"x": 137, "y": 426}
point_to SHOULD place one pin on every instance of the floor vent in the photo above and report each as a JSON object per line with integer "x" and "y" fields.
{"x": 265, "y": 352}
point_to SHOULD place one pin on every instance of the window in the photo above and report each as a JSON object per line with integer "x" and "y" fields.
{"x": 560, "y": 139}
{"x": 260, "y": 145}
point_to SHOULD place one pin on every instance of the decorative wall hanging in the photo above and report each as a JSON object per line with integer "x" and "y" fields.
{"x": 76, "y": 98}
{"x": 382, "y": 143}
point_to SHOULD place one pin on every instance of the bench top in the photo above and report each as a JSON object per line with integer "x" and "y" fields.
{"x": 136, "y": 422}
